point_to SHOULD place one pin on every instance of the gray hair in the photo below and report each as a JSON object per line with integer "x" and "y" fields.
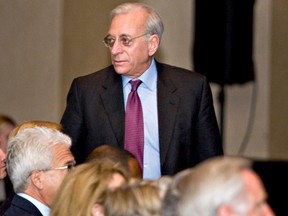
{"x": 215, "y": 182}
{"x": 32, "y": 149}
{"x": 174, "y": 193}
{"x": 154, "y": 24}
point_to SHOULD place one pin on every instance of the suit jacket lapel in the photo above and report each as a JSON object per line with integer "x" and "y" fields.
{"x": 167, "y": 110}
{"x": 167, "y": 107}
{"x": 113, "y": 102}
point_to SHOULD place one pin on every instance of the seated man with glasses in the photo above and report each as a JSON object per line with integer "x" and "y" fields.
{"x": 38, "y": 159}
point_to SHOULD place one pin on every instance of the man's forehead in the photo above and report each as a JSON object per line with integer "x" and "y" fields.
{"x": 62, "y": 152}
{"x": 253, "y": 182}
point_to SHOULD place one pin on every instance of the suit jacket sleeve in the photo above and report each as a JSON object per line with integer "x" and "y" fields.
{"x": 94, "y": 112}
{"x": 188, "y": 127}
{"x": 72, "y": 122}
{"x": 207, "y": 132}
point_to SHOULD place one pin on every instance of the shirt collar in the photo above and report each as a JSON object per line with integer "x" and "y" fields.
{"x": 45, "y": 210}
{"x": 148, "y": 78}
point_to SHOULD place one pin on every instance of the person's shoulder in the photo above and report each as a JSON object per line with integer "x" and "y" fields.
{"x": 100, "y": 74}
{"x": 179, "y": 72}
{"x": 95, "y": 80}
{"x": 21, "y": 206}
{"x": 6, "y": 204}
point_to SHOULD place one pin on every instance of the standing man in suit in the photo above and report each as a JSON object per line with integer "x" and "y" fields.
{"x": 180, "y": 127}
{"x": 38, "y": 159}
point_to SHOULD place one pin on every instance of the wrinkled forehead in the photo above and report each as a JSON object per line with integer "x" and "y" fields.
{"x": 62, "y": 155}
{"x": 129, "y": 23}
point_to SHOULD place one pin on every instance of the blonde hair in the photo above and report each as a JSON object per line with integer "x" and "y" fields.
{"x": 86, "y": 185}
{"x": 163, "y": 184}
{"x": 133, "y": 199}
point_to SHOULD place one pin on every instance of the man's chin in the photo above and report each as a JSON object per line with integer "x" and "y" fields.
{"x": 120, "y": 70}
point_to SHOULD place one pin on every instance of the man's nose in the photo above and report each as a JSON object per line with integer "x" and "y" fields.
{"x": 116, "y": 48}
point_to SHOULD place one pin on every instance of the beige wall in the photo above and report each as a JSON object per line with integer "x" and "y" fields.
{"x": 30, "y": 58}
{"x": 45, "y": 44}
{"x": 85, "y": 24}
{"x": 252, "y": 98}
{"x": 278, "y": 115}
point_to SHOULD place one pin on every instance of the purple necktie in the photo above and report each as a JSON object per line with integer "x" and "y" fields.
{"x": 134, "y": 127}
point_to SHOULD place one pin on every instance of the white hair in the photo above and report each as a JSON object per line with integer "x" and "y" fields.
{"x": 215, "y": 182}
{"x": 32, "y": 149}
{"x": 154, "y": 24}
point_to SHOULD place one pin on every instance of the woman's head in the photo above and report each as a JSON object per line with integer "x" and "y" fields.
{"x": 83, "y": 191}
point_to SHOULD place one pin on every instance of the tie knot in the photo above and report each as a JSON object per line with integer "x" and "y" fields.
{"x": 135, "y": 84}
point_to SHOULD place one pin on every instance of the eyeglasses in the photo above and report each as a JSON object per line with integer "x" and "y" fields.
{"x": 69, "y": 167}
{"x": 124, "y": 40}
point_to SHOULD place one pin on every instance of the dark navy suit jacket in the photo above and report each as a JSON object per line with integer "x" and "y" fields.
{"x": 188, "y": 130}
{"x": 22, "y": 207}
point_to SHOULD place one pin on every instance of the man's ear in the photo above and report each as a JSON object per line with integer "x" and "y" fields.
{"x": 153, "y": 44}
{"x": 37, "y": 179}
{"x": 97, "y": 210}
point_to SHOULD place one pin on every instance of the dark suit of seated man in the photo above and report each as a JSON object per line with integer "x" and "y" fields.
{"x": 38, "y": 159}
